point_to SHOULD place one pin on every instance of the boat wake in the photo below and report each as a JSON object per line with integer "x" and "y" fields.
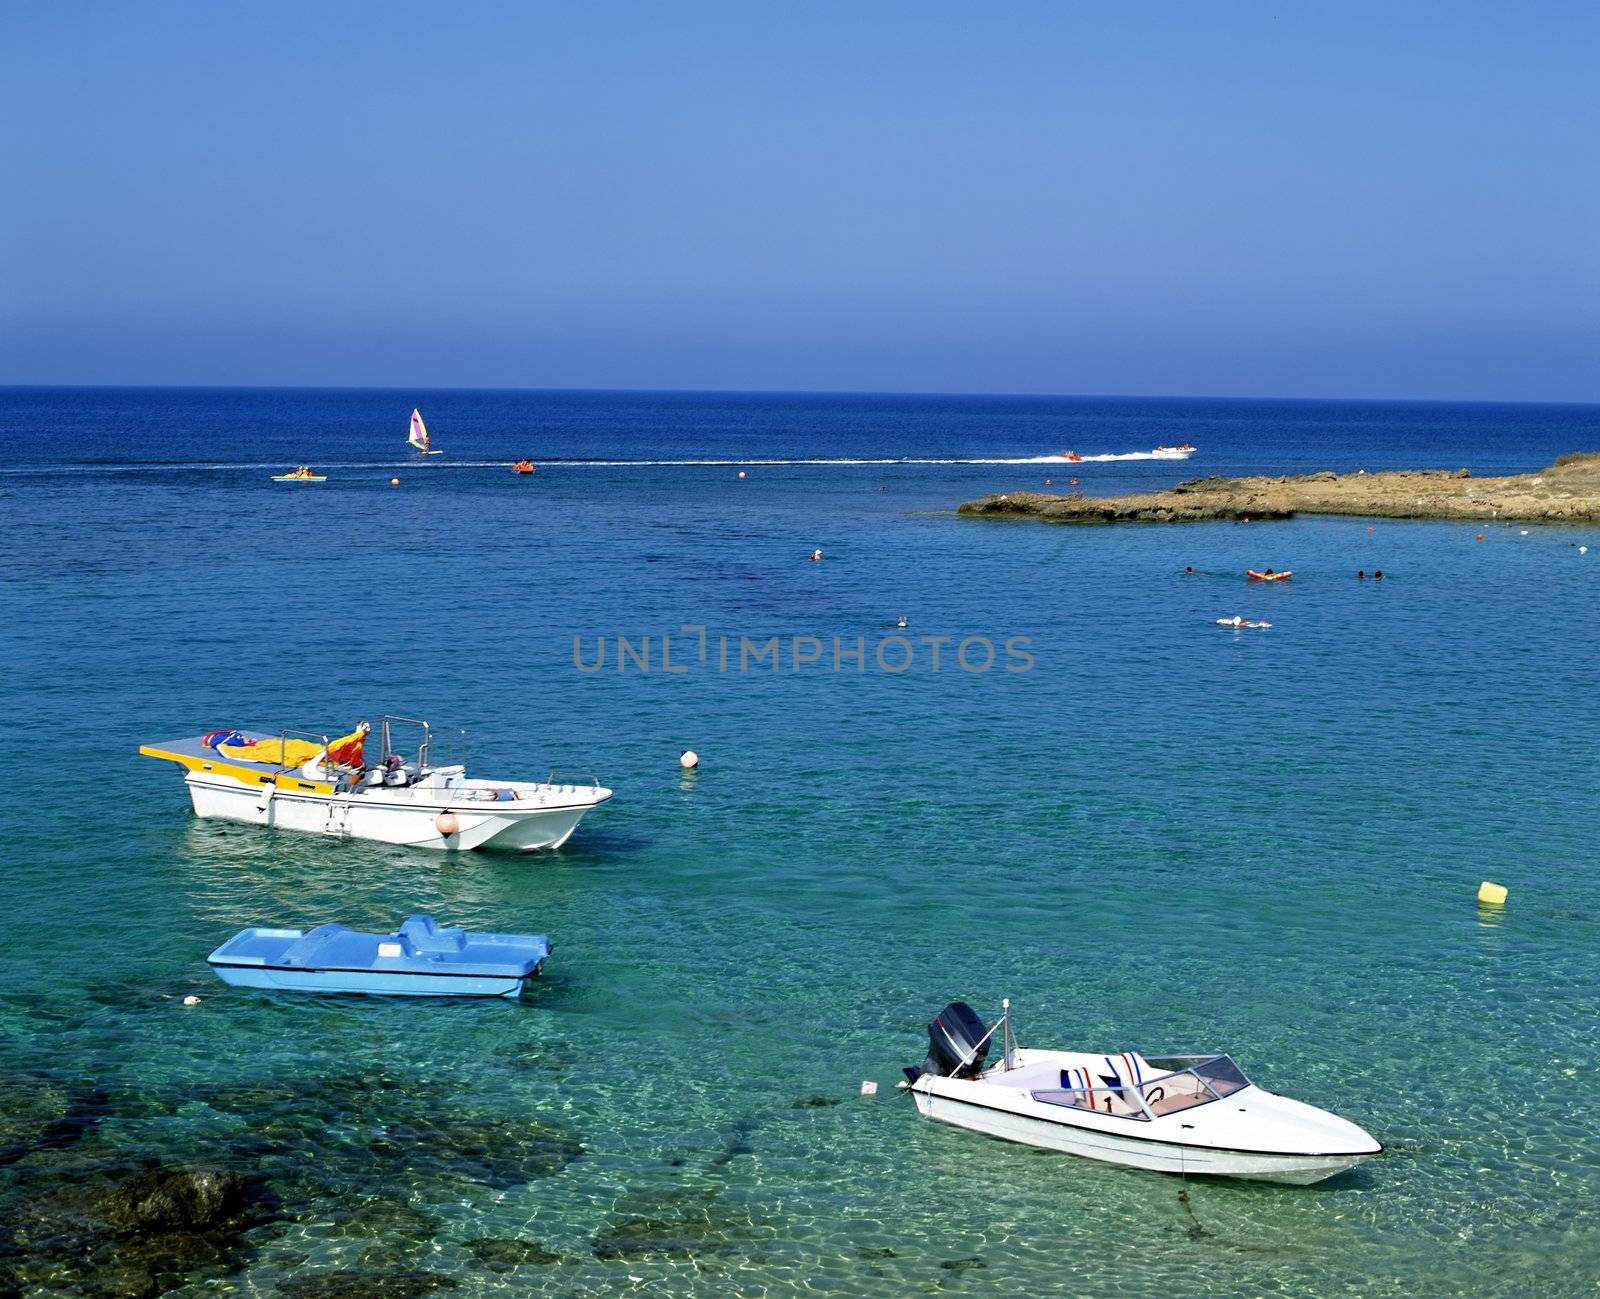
{"x": 581, "y": 462}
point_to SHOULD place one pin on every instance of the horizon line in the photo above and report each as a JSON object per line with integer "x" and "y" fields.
{"x": 785, "y": 392}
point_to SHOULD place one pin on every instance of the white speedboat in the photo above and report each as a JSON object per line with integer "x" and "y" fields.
{"x": 1173, "y": 453}
{"x": 1188, "y": 1114}
{"x": 297, "y": 780}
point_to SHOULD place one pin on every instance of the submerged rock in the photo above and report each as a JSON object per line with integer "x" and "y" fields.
{"x": 152, "y": 1231}
{"x": 43, "y": 1114}
{"x": 816, "y": 1102}
{"x": 385, "y": 1217}
{"x": 491, "y": 1152}
{"x": 167, "y": 1199}
{"x": 502, "y": 1253}
{"x": 678, "y": 1225}
{"x": 349, "y": 1284}
{"x": 334, "y": 1128}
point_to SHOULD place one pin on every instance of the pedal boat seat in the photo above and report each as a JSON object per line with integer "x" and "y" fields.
{"x": 425, "y": 938}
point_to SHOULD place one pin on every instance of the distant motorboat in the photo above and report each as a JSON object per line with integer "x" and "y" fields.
{"x": 1162, "y": 1113}
{"x": 301, "y": 475}
{"x": 418, "y": 437}
{"x": 1157, "y": 453}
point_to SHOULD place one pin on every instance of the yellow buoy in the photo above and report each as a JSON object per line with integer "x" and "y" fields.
{"x": 1493, "y": 895}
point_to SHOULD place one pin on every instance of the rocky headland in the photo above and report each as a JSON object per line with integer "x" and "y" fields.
{"x": 1567, "y": 492}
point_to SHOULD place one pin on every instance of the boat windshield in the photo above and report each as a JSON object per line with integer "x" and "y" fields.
{"x": 1191, "y": 1081}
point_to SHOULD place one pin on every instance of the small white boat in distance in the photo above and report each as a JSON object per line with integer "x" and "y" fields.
{"x": 1173, "y": 453}
{"x": 1191, "y": 1114}
{"x": 418, "y": 436}
{"x": 297, "y": 780}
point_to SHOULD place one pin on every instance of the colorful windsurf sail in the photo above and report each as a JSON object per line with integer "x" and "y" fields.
{"x": 419, "y": 432}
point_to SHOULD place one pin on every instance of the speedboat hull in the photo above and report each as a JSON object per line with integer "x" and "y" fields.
{"x": 1170, "y": 1114}
{"x": 408, "y": 816}
{"x": 1151, "y": 1153}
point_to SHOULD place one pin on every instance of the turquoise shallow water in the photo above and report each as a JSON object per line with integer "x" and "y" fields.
{"x": 1164, "y": 836}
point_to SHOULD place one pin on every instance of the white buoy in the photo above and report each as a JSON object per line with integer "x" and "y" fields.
{"x": 394, "y": 482}
{"x": 447, "y": 824}
{"x": 191, "y": 1000}
{"x": 1524, "y": 532}
{"x": 868, "y": 1087}
{"x": 1583, "y": 550}
{"x": 688, "y": 759}
{"x": 741, "y": 473}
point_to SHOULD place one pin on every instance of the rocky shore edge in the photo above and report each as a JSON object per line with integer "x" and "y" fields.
{"x": 1567, "y": 492}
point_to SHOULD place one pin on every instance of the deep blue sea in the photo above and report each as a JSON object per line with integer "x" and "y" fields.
{"x": 1162, "y": 835}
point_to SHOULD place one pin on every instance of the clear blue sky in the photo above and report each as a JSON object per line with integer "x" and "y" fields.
{"x": 1344, "y": 199}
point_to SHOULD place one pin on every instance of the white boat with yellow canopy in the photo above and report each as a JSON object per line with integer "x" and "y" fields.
{"x": 298, "y": 780}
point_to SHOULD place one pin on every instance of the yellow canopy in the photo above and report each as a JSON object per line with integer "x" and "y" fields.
{"x": 276, "y": 753}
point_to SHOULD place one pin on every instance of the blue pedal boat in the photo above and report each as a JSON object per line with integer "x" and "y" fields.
{"x": 418, "y": 960}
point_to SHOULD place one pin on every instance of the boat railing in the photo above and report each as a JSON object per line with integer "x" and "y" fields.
{"x": 453, "y": 739}
{"x": 283, "y": 751}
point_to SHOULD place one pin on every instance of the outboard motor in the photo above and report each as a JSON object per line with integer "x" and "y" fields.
{"x": 953, "y": 1044}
